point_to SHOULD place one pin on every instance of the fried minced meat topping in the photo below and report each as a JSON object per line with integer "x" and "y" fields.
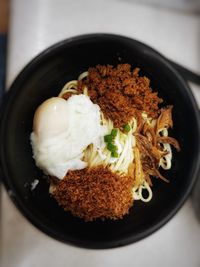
{"x": 95, "y": 193}
{"x": 120, "y": 92}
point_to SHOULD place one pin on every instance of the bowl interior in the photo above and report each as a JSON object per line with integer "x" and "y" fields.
{"x": 44, "y": 78}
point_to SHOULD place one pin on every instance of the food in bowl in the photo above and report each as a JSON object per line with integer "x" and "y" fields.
{"x": 102, "y": 140}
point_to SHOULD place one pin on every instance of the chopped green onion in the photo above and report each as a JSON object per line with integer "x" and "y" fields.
{"x": 108, "y": 138}
{"x": 114, "y": 132}
{"x": 111, "y": 147}
{"x": 126, "y": 128}
{"x": 114, "y": 154}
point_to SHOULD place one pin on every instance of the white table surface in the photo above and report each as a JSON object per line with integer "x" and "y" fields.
{"x": 34, "y": 26}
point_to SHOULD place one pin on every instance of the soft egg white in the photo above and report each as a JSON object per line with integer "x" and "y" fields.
{"x": 62, "y": 130}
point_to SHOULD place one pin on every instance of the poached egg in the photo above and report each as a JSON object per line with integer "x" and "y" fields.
{"x": 62, "y": 130}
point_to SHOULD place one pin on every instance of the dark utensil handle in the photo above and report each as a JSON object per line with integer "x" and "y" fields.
{"x": 185, "y": 73}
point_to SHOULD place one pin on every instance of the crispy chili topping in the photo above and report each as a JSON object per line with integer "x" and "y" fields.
{"x": 120, "y": 92}
{"x": 95, "y": 193}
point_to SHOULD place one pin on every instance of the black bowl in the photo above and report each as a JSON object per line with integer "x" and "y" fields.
{"x": 42, "y": 78}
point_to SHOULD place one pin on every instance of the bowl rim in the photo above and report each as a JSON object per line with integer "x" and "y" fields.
{"x": 8, "y": 182}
